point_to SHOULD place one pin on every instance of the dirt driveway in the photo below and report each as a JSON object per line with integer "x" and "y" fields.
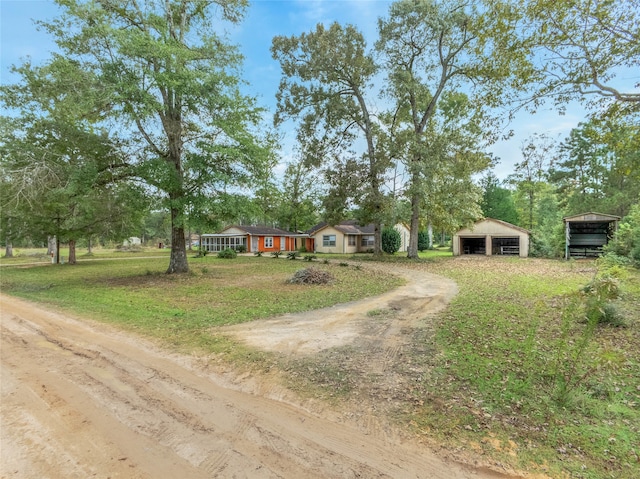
{"x": 83, "y": 400}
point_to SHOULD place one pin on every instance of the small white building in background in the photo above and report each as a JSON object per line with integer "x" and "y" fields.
{"x": 132, "y": 241}
{"x": 492, "y": 237}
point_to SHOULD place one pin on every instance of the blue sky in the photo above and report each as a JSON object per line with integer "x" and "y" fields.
{"x": 20, "y": 38}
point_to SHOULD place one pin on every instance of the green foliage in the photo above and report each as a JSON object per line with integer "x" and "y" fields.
{"x": 325, "y": 86}
{"x": 258, "y": 253}
{"x": 529, "y": 177}
{"x": 585, "y": 47}
{"x": 276, "y": 254}
{"x": 626, "y": 242}
{"x": 537, "y": 363}
{"x": 228, "y": 253}
{"x": 430, "y": 50}
{"x": 497, "y": 202}
{"x": 166, "y": 82}
{"x": 309, "y": 257}
{"x": 297, "y": 208}
{"x": 391, "y": 240}
{"x": 423, "y": 240}
{"x": 241, "y": 249}
{"x": 292, "y": 255}
{"x": 599, "y": 167}
{"x": 600, "y": 293}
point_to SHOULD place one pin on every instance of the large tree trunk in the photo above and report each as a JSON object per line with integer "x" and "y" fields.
{"x": 414, "y": 227}
{"x": 89, "y": 250}
{"x": 178, "y": 261}
{"x": 377, "y": 239}
{"x": 8, "y": 252}
{"x": 72, "y": 251}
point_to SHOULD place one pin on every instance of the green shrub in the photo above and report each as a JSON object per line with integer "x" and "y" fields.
{"x": 626, "y": 241}
{"x": 598, "y": 306}
{"x": 423, "y": 240}
{"x": 241, "y": 249}
{"x": 391, "y": 240}
{"x": 228, "y": 253}
{"x": 276, "y": 254}
{"x": 309, "y": 257}
{"x": 201, "y": 253}
{"x": 292, "y": 255}
{"x": 258, "y": 253}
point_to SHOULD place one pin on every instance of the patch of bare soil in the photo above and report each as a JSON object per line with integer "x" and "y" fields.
{"x": 80, "y": 399}
{"x": 424, "y": 294}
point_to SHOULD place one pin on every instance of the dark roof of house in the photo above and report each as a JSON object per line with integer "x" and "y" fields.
{"x": 261, "y": 230}
{"x": 349, "y": 227}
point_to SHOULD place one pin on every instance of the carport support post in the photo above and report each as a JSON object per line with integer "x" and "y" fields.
{"x": 567, "y": 239}
{"x": 488, "y": 245}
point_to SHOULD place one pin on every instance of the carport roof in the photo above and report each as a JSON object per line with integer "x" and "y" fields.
{"x": 591, "y": 217}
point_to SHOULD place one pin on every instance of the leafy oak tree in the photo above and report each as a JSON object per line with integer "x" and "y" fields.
{"x": 327, "y": 76}
{"x": 165, "y": 76}
{"x": 432, "y": 49}
{"x": 587, "y": 49}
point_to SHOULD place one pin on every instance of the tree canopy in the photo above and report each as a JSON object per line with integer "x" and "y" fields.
{"x": 326, "y": 81}
{"x": 586, "y": 50}
{"x": 163, "y": 77}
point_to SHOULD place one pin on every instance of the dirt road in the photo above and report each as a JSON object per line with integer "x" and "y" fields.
{"x": 83, "y": 400}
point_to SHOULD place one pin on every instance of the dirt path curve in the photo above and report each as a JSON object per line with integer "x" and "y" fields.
{"x": 82, "y": 400}
{"x": 424, "y": 294}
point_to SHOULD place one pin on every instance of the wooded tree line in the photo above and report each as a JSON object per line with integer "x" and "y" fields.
{"x": 143, "y": 110}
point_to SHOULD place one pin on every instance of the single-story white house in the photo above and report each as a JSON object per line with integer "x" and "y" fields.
{"x": 349, "y": 237}
{"x": 492, "y": 237}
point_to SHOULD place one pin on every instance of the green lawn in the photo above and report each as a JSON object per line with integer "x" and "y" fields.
{"x": 39, "y": 255}
{"x": 506, "y": 346}
{"x": 493, "y": 366}
{"x": 182, "y": 308}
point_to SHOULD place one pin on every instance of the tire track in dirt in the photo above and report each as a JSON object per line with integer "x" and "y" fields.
{"x": 80, "y": 399}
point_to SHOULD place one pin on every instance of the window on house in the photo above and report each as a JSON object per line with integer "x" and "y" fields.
{"x": 268, "y": 241}
{"x": 352, "y": 240}
{"x": 367, "y": 241}
{"x": 328, "y": 240}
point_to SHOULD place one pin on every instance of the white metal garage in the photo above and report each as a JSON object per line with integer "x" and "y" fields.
{"x": 492, "y": 237}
